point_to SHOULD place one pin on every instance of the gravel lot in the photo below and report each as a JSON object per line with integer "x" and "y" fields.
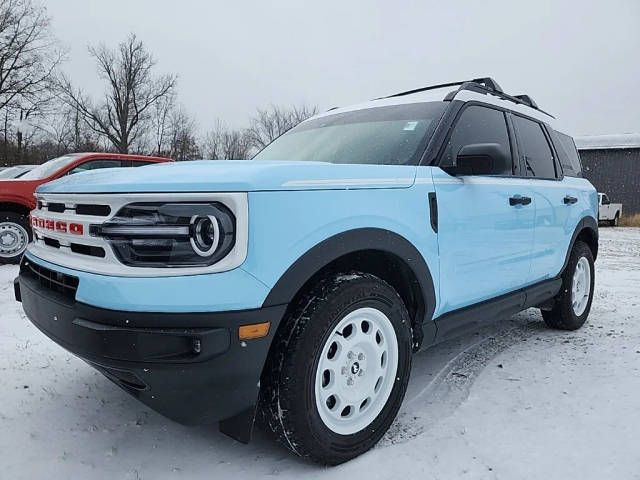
{"x": 513, "y": 401}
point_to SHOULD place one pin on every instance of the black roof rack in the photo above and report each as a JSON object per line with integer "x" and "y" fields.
{"x": 480, "y": 85}
{"x": 487, "y": 82}
{"x": 528, "y": 100}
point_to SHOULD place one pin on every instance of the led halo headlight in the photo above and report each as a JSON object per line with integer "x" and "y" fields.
{"x": 170, "y": 234}
{"x": 205, "y": 234}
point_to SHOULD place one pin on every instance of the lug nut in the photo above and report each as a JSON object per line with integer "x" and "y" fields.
{"x": 343, "y": 371}
{"x": 350, "y": 355}
{"x": 361, "y": 356}
{"x": 349, "y": 381}
{"x": 361, "y": 373}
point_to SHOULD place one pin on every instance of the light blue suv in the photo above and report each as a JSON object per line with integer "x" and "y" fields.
{"x": 297, "y": 285}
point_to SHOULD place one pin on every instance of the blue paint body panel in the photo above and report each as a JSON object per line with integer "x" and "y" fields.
{"x": 233, "y": 176}
{"x": 233, "y": 290}
{"x": 484, "y": 246}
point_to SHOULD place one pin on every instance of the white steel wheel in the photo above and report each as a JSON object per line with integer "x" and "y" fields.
{"x": 581, "y": 286}
{"x": 356, "y": 371}
{"x": 13, "y": 239}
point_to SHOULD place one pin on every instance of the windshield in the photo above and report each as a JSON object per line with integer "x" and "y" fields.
{"x": 391, "y": 135}
{"x": 10, "y": 172}
{"x": 49, "y": 168}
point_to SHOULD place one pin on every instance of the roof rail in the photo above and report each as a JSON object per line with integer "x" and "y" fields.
{"x": 480, "y": 85}
{"x": 489, "y": 84}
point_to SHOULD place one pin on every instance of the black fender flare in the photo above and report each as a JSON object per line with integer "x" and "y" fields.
{"x": 585, "y": 224}
{"x": 347, "y": 242}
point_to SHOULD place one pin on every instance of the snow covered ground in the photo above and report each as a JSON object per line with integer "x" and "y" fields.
{"x": 514, "y": 401}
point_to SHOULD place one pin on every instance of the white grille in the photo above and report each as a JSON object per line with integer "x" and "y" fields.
{"x": 63, "y": 237}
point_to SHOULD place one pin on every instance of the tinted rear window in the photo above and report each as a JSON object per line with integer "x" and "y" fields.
{"x": 567, "y": 154}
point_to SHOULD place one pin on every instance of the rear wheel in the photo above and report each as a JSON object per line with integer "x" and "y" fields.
{"x": 15, "y": 234}
{"x": 573, "y": 302}
{"x": 339, "y": 368}
{"x": 616, "y": 220}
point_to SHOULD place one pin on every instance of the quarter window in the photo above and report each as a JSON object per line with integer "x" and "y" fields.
{"x": 567, "y": 154}
{"x": 535, "y": 149}
{"x": 479, "y": 125}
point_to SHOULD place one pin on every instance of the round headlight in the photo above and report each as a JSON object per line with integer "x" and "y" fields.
{"x": 205, "y": 234}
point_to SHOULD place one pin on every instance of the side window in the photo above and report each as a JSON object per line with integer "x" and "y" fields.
{"x": 538, "y": 157}
{"x": 605, "y": 200}
{"x": 140, "y": 163}
{"x": 567, "y": 154}
{"x": 95, "y": 165}
{"x": 479, "y": 125}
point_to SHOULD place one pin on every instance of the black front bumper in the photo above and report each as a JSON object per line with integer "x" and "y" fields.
{"x": 190, "y": 367}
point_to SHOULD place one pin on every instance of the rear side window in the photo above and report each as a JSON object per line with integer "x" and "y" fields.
{"x": 140, "y": 163}
{"x": 479, "y": 125}
{"x": 535, "y": 149}
{"x": 567, "y": 154}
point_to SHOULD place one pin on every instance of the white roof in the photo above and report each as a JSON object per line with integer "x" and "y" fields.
{"x": 614, "y": 141}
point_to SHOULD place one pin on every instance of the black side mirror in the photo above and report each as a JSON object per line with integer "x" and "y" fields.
{"x": 482, "y": 159}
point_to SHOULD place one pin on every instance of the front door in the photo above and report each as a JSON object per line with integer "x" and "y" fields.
{"x": 485, "y": 223}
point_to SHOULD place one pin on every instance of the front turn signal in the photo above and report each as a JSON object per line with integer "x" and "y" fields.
{"x": 256, "y": 330}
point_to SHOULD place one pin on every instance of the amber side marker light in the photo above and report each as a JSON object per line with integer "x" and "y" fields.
{"x": 256, "y": 330}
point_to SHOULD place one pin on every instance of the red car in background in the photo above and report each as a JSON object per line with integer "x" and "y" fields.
{"x": 17, "y": 200}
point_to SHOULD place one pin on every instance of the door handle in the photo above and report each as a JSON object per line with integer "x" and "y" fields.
{"x": 513, "y": 201}
{"x": 569, "y": 200}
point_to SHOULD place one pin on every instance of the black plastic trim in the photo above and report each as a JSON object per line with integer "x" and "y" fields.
{"x": 467, "y": 319}
{"x": 352, "y": 241}
{"x": 189, "y": 367}
{"x": 433, "y": 211}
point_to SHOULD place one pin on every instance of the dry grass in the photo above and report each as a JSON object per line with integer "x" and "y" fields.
{"x": 630, "y": 220}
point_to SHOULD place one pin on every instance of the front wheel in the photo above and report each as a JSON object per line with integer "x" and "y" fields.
{"x": 573, "y": 302}
{"x": 339, "y": 368}
{"x": 15, "y": 234}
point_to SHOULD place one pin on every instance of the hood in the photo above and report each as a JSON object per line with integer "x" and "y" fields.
{"x": 8, "y": 185}
{"x": 234, "y": 176}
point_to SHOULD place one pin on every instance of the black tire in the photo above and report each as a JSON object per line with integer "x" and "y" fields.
{"x": 562, "y": 316}
{"x": 288, "y": 402}
{"x": 15, "y": 224}
{"x": 616, "y": 220}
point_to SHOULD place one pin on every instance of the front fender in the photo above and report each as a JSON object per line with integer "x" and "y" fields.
{"x": 294, "y": 234}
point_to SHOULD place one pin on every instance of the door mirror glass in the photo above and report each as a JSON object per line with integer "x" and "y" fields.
{"x": 482, "y": 159}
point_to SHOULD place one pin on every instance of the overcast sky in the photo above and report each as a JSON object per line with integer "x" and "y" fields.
{"x": 579, "y": 60}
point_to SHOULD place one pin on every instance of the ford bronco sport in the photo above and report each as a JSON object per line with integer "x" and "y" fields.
{"x": 296, "y": 286}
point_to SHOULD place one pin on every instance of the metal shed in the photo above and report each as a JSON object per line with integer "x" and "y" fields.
{"x": 612, "y": 164}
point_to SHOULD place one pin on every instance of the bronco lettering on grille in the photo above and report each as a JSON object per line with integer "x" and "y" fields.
{"x": 57, "y": 226}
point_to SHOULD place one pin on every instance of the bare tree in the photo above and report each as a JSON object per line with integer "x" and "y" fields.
{"x": 29, "y": 56}
{"x": 223, "y": 143}
{"x": 124, "y": 113}
{"x": 161, "y": 117}
{"x": 182, "y": 132}
{"x": 269, "y": 124}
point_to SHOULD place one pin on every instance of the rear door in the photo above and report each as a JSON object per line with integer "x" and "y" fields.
{"x": 485, "y": 238}
{"x": 555, "y": 198}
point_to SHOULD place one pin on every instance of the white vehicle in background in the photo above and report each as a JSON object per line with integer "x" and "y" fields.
{"x": 608, "y": 212}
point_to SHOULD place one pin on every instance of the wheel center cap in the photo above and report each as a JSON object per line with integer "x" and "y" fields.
{"x": 7, "y": 239}
{"x": 355, "y": 368}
